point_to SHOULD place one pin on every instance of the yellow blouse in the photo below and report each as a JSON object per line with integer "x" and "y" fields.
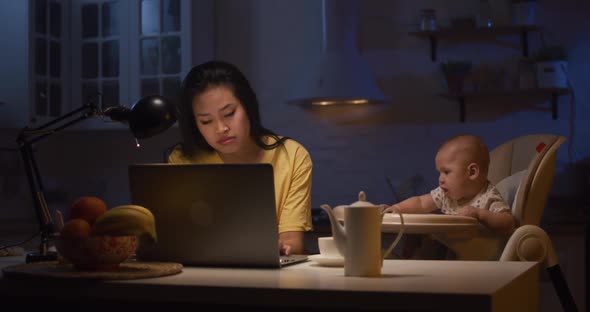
{"x": 292, "y": 169}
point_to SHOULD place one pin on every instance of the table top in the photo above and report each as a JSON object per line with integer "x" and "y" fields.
{"x": 407, "y": 283}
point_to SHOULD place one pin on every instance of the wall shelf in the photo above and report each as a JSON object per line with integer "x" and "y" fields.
{"x": 462, "y": 97}
{"x": 478, "y": 33}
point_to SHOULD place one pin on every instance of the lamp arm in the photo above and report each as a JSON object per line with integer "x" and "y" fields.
{"x": 33, "y": 135}
{"x": 25, "y": 140}
{"x": 43, "y": 216}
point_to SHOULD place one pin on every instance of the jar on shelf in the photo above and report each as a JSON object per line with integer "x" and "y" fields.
{"x": 428, "y": 20}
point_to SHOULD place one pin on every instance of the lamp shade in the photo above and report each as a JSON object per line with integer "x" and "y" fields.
{"x": 341, "y": 74}
{"x": 148, "y": 117}
{"x": 151, "y": 115}
{"x": 339, "y": 78}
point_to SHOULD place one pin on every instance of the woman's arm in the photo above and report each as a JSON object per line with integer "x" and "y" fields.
{"x": 291, "y": 243}
{"x": 295, "y": 213}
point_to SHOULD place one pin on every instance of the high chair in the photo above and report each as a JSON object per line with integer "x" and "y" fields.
{"x": 522, "y": 169}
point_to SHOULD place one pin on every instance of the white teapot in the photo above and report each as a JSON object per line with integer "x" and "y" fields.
{"x": 358, "y": 239}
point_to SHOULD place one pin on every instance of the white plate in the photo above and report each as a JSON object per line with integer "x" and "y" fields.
{"x": 327, "y": 261}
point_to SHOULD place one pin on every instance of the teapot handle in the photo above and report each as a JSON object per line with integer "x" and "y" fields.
{"x": 399, "y": 234}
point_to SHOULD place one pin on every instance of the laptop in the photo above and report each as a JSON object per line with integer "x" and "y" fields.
{"x": 210, "y": 214}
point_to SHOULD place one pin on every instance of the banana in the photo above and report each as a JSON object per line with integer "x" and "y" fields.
{"x": 126, "y": 220}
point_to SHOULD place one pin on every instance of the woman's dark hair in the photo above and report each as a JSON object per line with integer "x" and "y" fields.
{"x": 215, "y": 74}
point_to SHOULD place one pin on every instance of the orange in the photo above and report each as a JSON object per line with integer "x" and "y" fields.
{"x": 75, "y": 228}
{"x": 88, "y": 208}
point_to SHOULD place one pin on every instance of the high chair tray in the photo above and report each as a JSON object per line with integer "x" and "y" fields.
{"x": 430, "y": 224}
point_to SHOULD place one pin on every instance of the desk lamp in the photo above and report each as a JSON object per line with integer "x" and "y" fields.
{"x": 149, "y": 116}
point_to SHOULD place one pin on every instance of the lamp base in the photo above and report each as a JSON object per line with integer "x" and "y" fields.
{"x": 33, "y": 257}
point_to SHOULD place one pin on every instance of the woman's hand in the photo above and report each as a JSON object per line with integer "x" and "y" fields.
{"x": 284, "y": 249}
{"x": 291, "y": 243}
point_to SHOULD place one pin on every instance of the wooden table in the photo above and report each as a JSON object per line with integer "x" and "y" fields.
{"x": 406, "y": 285}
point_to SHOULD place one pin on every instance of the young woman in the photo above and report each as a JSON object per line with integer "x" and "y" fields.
{"x": 220, "y": 123}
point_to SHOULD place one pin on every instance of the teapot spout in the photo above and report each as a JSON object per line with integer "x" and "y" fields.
{"x": 338, "y": 231}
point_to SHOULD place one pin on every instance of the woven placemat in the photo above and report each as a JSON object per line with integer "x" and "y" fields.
{"x": 126, "y": 271}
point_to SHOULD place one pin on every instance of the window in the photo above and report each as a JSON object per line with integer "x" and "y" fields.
{"x": 99, "y": 37}
{"x": 160, "y": 47}
{"x": 48, "y": 45}
{"x": 111, "y": 52}
{"x": 125, "y": 49}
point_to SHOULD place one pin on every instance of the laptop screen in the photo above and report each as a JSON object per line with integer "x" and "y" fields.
{"x": 209, "y": 215}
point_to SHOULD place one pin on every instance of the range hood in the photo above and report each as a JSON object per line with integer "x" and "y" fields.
{"x": 341, "y": 75}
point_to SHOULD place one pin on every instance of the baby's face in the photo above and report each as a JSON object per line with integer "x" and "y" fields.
{"x": 453, "y": 176}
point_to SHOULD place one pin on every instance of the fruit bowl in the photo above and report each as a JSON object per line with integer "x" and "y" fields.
{"x": 96, "y": 252}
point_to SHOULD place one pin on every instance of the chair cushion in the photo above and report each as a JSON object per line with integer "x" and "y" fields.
{"x": 528, "y": 147}
{"x": 508, "y": 187}
{"x": 517, "y": 154}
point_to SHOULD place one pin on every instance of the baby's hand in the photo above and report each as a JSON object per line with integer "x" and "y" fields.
{"x": 384, "y": 208}
{"x": 469, "y": 211}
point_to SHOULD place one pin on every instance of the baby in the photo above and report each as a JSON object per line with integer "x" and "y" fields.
{"x": 462, "y": 163}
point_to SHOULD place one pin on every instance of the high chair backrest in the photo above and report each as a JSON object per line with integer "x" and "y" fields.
{"x": 523, "y": 170}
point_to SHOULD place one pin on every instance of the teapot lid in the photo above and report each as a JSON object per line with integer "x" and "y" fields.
{"x": 362, "y": 202}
